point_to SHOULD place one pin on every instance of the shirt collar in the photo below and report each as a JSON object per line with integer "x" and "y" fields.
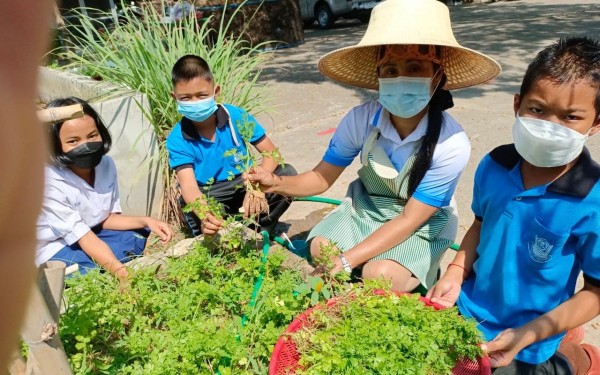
{"x": 577, "y": 182}
{"x": 190, "y": 131}
{"x": 388, "y": 130}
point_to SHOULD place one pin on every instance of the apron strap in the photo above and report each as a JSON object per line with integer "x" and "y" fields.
{"x": 371, "y": 138}
{"x": 231, "y": 127}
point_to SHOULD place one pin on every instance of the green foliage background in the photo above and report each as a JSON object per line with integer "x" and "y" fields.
{"x": 140, "y": 52}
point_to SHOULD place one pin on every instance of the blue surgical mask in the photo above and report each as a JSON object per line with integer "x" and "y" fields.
{"x": 199, "y": 110}
{"x": 404, "y": 96}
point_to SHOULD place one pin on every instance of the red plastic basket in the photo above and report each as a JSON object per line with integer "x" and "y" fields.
{"x": 285, "y": 357}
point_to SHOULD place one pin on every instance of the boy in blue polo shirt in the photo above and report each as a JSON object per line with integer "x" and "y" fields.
{"x": 537, "y": 223}
{"x": 198, "y": 144}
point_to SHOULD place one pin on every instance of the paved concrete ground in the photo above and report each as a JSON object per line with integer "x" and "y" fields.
{"x": 307, "y": 106}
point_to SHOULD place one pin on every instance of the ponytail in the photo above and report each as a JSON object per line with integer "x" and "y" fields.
{"x": 440, "y": 101}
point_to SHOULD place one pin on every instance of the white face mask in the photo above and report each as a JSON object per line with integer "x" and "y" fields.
{"x": 546, "y": 144}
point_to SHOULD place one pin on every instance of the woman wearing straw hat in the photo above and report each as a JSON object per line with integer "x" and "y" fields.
{"x": 397, "y": 218}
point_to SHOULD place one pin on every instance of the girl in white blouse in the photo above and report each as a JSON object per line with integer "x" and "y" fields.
{"x": 81, "y": 220}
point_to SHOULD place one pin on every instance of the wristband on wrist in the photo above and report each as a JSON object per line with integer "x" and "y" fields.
{"x": 345, "y": 264}
{"x": 459, "y": 266}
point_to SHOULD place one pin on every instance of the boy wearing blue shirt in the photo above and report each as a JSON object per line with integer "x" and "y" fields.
{"x": 200, "y": 146}
{"x": 537, "y": 223}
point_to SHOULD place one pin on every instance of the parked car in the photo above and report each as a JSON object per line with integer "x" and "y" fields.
{"x": 325, "y": 12}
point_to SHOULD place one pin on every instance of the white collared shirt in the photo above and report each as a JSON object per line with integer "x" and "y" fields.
{"x": 449, "y": 158}
{"x": 71, "y": 206}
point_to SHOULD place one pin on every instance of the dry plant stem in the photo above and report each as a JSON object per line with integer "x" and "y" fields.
{"x": 255, "y": 201}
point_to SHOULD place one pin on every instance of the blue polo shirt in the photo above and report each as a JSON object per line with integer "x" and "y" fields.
{"x": 533, "y": 244}
{"x": 187, "y": 148}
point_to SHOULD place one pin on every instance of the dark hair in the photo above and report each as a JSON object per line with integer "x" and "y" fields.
{"x": 566, "y": 60}
{"x": 440, "y": 101}
{"x": 56, "y": 153}
{"x": 189, "y": 67}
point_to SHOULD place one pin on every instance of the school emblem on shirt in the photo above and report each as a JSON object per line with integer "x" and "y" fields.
{"x": 539, "y": 249}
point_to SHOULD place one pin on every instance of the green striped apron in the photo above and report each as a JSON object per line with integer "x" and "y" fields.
{"x": 377, "y": 196}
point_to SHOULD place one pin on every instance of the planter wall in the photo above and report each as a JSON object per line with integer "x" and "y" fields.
{"x": 135, "y": 148}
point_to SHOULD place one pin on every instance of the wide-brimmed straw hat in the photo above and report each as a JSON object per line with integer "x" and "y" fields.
{"x": 408, "y": 22}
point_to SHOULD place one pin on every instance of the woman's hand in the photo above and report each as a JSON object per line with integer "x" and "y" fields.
{"x": 210, "y": 225}
{"x": 337, "y": 268}
{"x": 160, "y": 228}
{"x": 445, "y": 292}
{"x": 258, "y": 175}
{"x": 504, "y": 347}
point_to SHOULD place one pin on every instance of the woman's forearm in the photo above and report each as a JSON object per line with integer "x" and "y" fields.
{"x": 302, "y": 185}
{"x": 313, "y": 182}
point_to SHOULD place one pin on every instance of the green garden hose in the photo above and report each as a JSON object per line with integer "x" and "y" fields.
{"x": 261, "y": 273}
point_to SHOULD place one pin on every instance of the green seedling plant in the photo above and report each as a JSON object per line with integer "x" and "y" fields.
{"x": 231, "y": 238}
{"x": 324, "y": 284}
{"x": 186, "y": 319}
{"x": 314, "y": 288}
{"x": 255, "y": 202}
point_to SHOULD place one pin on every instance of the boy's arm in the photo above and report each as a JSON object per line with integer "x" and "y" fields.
{"x": 190, "y": 192}
{"x": 447, "y": 289}
{"x": 577, "y": 310}
{"x": 266, "y": 146}
{"x": 188, "y": 184}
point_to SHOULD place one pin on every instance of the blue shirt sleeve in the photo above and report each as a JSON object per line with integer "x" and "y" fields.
{"x": 348, "y": 139}
{"x": 588, "y": 244}
{"x": 589, "y": 253}
{"x": 178, "y": 149}
{"x": 479, "y": 174}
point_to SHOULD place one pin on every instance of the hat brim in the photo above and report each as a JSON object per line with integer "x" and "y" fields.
{"x": 356, "y": 66}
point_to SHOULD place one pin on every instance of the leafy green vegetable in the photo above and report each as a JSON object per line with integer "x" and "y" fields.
{"x": 184, "y": 320}
{"x": 365, "y": 333}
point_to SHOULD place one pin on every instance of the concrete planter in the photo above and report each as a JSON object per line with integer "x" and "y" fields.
{"x": 135, "y": 147}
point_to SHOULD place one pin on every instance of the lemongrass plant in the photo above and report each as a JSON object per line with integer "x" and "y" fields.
{"x": 140, "y": 52}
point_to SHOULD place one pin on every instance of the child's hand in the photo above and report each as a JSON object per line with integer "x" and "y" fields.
{"x": 504, "y": 347}
{"x": 445, "y": 292}
{"x": 210, "y": 225}
{"x": 161, "y": 229}
{"x": 258, "y": 174}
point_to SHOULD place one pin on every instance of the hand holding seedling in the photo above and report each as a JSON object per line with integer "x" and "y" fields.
{"x": 255, "y": 202}
{"x": 211, "y": 225}
{"x": 261, "y": 178}
{"x": 210, "y": 212}
{"x": 504, "y": 347}
{"x": 335, "y": 267}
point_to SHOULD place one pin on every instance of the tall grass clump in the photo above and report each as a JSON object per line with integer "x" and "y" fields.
{"x": 139, "y": 54}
